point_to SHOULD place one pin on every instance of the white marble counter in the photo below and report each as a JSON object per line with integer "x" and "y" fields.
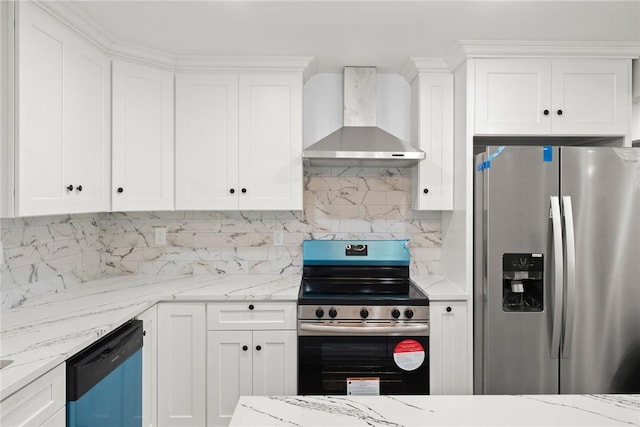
{"x": 439, "y": 288}
{"x": 396, "y": 411}
{"x": 46, "y": 330}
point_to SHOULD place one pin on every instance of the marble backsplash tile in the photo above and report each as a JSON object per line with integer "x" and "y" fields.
{"x": 49, "y": 253}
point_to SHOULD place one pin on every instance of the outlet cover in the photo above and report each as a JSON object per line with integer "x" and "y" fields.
{"x": 161, "y": 236}
{"x": 278, "y": 237}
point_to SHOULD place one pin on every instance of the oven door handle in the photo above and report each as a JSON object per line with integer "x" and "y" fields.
{"x": 312, "y": 327}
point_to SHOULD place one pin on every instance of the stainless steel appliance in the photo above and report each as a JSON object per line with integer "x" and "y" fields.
{"x": 363, "y": 325}
{"x": 557, "y": 270}
{"x": 360, "y": 142}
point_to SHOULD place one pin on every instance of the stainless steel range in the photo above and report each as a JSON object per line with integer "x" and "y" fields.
{"x": 363, "y": 325}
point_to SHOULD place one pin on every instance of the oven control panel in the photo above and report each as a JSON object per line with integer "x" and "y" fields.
{"x": 354, "y": 312}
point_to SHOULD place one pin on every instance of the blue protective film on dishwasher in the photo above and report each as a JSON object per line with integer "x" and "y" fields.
{"x": 547, "y": 153}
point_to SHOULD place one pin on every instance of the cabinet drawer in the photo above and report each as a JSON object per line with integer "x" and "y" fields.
{"x": 36, "y": 402}
{"x": 251, "y": 316}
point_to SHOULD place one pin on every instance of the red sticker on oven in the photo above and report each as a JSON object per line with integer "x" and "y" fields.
{"x": 408, "y": 355}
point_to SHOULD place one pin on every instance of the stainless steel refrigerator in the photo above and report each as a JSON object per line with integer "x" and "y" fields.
{"x": 557, "y": 270}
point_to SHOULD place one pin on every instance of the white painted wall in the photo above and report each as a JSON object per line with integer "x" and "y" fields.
{"x": 323, "y": 106}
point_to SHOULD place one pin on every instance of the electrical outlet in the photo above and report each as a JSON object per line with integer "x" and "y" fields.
{"x": 161, "y": 236}
{"x": 278, "y": 237}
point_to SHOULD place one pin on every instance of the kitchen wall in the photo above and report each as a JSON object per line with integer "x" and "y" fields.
{"x": 51, "y": 253}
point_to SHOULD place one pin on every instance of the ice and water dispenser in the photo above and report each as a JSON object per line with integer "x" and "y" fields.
{"x": 522, "y": 285}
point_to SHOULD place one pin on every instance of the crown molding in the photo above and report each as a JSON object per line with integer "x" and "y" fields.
{"x": 416, "y": 65}
{"x": 91, "y": 31}
{"x": 467, "y": 49}
{"x": 304, "y": 64}
{"x": 77, "y": 21}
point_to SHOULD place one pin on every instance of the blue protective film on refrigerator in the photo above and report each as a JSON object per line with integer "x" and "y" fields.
{"x": 547, "y": 153}
{"x": 487, "y": 163}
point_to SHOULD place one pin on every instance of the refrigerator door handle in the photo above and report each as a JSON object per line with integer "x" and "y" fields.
{"x": 558, "y": 276}
{"x": 570, "y": 297}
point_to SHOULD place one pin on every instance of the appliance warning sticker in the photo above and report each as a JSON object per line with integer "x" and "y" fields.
{"x": 363, "y": 386}
{"x": 408, "y": 355}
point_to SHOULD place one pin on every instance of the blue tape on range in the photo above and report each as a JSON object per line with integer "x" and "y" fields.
{"x": 547, "y": 153}
{"x": 487, "y": 163}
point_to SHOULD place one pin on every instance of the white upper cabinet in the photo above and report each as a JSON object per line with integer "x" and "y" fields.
{"x": 594, "y": 97}
{"x": 270, "y": 138}
{"x": 207, "y": 141}
{"x": 63, "y": 122}
{"x": 143, "y": 140}
{"x": 552, "y": 97}
{"x": 432, "y": 132}
{"x": 239, "y": 141}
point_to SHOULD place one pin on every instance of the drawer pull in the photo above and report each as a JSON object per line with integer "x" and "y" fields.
{"x": 251, "y": 307}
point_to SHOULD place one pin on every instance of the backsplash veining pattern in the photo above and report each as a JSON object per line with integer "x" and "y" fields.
{"x": 48, "y": 254}
{"x": 339, "y": 203}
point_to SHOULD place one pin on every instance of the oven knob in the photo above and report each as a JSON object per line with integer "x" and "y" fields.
{"x": 333, "y": 313}
{"x": 408, "y": 313}
{"x": 395, "y": 313}
{"x": 364, "y": 313}
{"x": 319, "y": 312}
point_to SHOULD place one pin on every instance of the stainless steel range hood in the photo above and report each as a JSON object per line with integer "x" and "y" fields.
{"x": 360, "y": 142}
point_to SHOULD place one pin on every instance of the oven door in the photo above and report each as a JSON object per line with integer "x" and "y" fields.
{"x": 340, "y": 365}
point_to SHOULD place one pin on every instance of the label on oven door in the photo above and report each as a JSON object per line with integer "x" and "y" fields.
{"x": 363, "y": 386}
{"x": 408, "y": 355}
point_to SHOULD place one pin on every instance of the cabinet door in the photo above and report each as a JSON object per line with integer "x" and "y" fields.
{"x": 275, "y": 363}
{"x": 432, "y": 132}
{"x": 181, "y": 364}
{"x": 207, "y": 141}
{"x": 143, "y": 158}
{"x": 87, "y": 129}
{"x": 41, "y": 58}
{"x": 511, "y": 97}
{"x": 593, "y": 96}
{"x": 229, "y": 373}
{"x": 448, "y": 367}
{"x": 270, "y": 135}
{"x": 150, "y": 367}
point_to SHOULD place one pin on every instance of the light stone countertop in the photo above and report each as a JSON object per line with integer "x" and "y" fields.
{"x": 46, "y": 330}
{"x": 439, "y": 288}
{"x": 396, "y": 411}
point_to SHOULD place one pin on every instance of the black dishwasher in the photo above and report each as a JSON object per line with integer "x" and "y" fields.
{"x": 104, "y": 381}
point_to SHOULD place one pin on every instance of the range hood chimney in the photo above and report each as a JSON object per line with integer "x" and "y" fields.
{"x": 360, "y": 142}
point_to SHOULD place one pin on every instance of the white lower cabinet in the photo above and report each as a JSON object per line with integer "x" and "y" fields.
{"x": 40, "y": 403}
{"x": 247, "y": 359}
{"x": 59, "y": 419}
{"x": 449, "y": 347}
{"x": 150, "y": 367}
{"x": 181, "y": 364}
